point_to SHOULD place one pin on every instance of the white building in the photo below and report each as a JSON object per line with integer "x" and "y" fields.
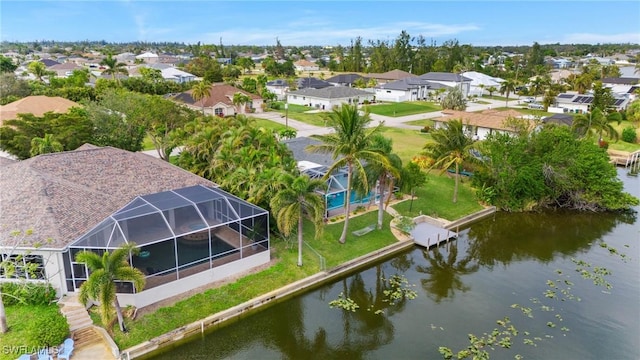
{"x": 329, "y": 97}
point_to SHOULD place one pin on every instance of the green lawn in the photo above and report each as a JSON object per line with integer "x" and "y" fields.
{"x": 403, "y": 108}
{"x": 268, "y": 124}
{"x": 283, "y": 272}
{"x": 147, "y": 144}
{"x": 298, "y": 112}
{"x": 406, "y": 143}
{"x": 17, "y": 338}
{"x": 436, "y": 199}
{"x": 422, "y": 122}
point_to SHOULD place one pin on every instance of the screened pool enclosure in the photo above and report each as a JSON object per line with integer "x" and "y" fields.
{"x": 179, "y": 232}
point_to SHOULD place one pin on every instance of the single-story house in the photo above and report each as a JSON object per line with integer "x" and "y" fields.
{"x": 316, "y": 165}
{"x": 37, "y": 105}
{"x": 329, "y": 97}
{"x": 278, "y": 87}
{"x": 407, "y": 89}
{"x": 480, "y": 82}
{"x": 171, "y": 73}
{"x": 449, "y": 79}
{"x": 65, "y": 70}
{"x": 305, "y": 65}
{"x": 190, "y": 233}
{"x": 480, "y": 125}
{"x": 346, "y": 79}
{"x": 220, "y": 101}
{"x": 581, "y": 103}
{"x": 148, "y": 57}
{"x": 559, "y": 119}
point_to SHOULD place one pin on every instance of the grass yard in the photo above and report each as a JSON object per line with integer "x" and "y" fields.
{"x": 268, "y": 124}
{"x": 299, "y": 112}
{"x": 436, "y": 199}
{"x": 147, "y": 144}
{"x": 407, "y": 143}
{"x": 403, "y": 108}
{"x": 16, "y": 342}
{"x": 422, "y": 122}
{"x": 283, "y": 272}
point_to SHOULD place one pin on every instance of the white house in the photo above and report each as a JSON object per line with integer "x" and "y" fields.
{"x": 329, "y": 97}
{"x": 407, "y": 89}
{"x": 480, "y": 125}
{"x": 305, "y": 65}
{"x": 581, "y": 103}
{"x": 278, "y": 87}
{"x": 148, "y": 57}
{"x": 450, "y": 80}
{"x": 480, "y": 82}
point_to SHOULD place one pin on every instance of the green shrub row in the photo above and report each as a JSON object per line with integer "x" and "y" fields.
{"x": 27, "y": 293}
{"x": 48, "y": 330}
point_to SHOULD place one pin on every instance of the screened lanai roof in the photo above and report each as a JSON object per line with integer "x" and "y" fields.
{"x": 156, "y": 217}
{"x": 337, "y": 182}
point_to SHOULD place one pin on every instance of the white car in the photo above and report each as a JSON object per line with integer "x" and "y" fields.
{"x": 529, "y": 100}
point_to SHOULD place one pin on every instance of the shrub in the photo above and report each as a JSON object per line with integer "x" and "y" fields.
{"x": 28, "y": 293}
{"x": 48, "y": 330}
{"x": 629, "y": 134}
{"x": 426, "y": 129}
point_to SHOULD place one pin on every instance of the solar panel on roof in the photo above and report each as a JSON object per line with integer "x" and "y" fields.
{"x": 618, "y": 102}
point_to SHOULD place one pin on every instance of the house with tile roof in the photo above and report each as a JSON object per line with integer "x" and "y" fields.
{"x": 220, "y": 101}
{"x": 581, "y": 103}
{"x": 37, "y": 105}
{"x": 346, "y": 79}
{"x": 305, "y": 65}
{"x": 65, "y": 70}
{"x": 389, "y": 76}
{"x": 480, "y": 125}
{"x": 329, "y": 97}
{"x": 190, "y": 233}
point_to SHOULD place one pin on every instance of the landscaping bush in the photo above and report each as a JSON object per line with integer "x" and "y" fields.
{"x": 425, "y": 129}
{"x": 48, "y": 330}
{"x": 27, "y": 293}
{"x": 629, "y": 134}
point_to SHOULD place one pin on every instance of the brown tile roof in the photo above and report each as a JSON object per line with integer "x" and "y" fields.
{"x": 490, "y": 119}
{"x": 222, "y": 93}
{"x": 60, "y": 196}
{"x": 66, "y": 66}
{"x": 36, "y": 105}
{"x": 390, "y": 75}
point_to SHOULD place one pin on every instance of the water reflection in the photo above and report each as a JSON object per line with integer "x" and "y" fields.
{"x": 445, "y": 273}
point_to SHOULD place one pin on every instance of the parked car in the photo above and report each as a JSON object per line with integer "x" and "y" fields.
{"x": 536, "y": 106}
{"x": 529, "y": 100}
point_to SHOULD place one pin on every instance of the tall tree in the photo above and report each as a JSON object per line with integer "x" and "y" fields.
{"x": 384, "y": 174}
{"x": 113, "y": 67}
{"x": 350, "y": 145}
{"x": 450, "y": 148}
{"x": 201, "y": 91}
{"x": 240, "y": 100}
{"x": 38, "y": 69}
{"x": 454, "y": 100}
{"x": 298, "y": 200}
{"x": 507, "y": 87}
{"x": 403, "y": 52}
{"x": 597, "y": 122}
{"x": 105, "y": 270}
{"x": 7, "y": 65}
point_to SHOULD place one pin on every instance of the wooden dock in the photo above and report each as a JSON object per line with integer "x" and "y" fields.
{"x": 429, "y": 235}
{"x": 624, "y": 158}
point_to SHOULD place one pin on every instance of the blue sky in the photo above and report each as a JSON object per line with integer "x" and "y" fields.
{"x": 321, "y": 23}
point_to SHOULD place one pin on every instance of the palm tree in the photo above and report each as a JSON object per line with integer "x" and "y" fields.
{"x": 481, "y": 86}
{"x": 38, "y": 69}
{"x": 113, "y": 66}
{"x": 507, "y": 87}
{"x": 45, "y": 145}
{"x": 105, "y": 270}
{"x": 538, "y": 85}
{"x": 450, "y": 147}
{"x": 201, "y": 91}
{"x": 298, "y": 200}
{"x": 382, "y": 174}
{"x": 350, "y": 144}
{"x": 491, "y": 90}
{"x": 596, "y": 122}
{"x": 239, "y": 100}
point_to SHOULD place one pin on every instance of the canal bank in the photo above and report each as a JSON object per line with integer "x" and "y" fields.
{"x": 198, "y": 328}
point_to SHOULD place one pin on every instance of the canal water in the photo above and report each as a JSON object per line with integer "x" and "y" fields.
{"x": 493, "y": 270}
